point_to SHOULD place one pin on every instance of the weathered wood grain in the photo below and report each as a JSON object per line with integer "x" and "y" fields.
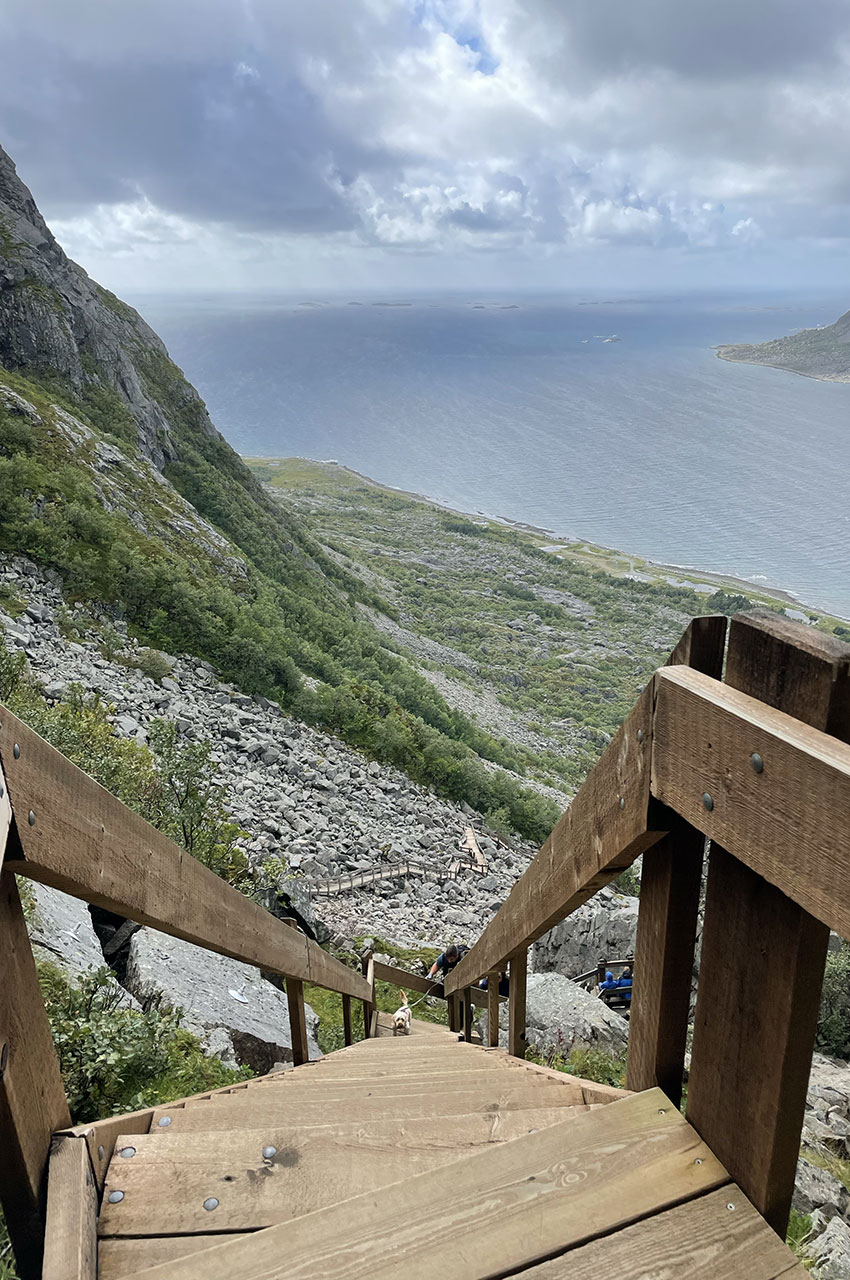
{"x": 70, "y": 1243}
{"x": 667, "y": 921}
{"x": 249, "y": 1111}
{"x": 409, "y": 981}
{"x": 509, "y": 1207}
{"x": 518, "y": 980}
{"x": 493, "y": 1008}
{"x": 780, "y": 822}
{"x": 119, "y": 1258}
{"x": 85, "y": 842}
{"x": 753, "y": 1041}
{"x": 602, "y": 832}
{"x": 311, "y": 1168}
{"x": 701, "y": 1240}
{"x": 32, "y": 1098}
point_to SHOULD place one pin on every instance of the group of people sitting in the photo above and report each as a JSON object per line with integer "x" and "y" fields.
{"x": 620, "y": 987}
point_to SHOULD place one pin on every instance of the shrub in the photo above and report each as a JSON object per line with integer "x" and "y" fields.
{"x": 114, "y": 1058}
{"x": 833, "y": 1035}
{"x": 588, "y": 1064}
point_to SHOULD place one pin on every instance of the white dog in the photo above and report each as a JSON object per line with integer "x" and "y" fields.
{"x": 401, "y": 1018}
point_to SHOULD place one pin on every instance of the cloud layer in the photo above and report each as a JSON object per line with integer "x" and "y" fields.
{"x": 264, "y": 141}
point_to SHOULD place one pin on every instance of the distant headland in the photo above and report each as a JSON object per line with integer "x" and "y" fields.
{"x": 814, "y": 353}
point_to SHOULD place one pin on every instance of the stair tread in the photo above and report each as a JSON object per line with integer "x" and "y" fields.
{"x": 307, "y": 1168}
{"x": 508, "y": 1206}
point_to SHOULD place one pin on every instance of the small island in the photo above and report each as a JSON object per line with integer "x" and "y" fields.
{"x": 814, "y": 353}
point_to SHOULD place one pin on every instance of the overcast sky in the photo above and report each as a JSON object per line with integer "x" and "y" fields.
{"x": 340, "y": 144}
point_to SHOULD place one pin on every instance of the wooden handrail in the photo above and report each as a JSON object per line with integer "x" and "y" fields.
{"x": 402, "y": 978}
{"x": 74, "y": 835}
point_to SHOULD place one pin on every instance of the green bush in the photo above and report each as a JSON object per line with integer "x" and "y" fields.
{"x": 114, "y": 1058}
{"x": 588, "y": 1064}
{"x": 833, "y": 1034}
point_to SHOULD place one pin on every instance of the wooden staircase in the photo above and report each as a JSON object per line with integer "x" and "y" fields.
{"x": 424, "y": 1156}
{"x": 429, "y": 1155}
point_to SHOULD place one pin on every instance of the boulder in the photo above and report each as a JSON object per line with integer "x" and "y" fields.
{"x": 831, "y": 1252}
{"x": 814, "y": 1188}
{"x": 605, "y": 926}
{"x": 561, "y": 1015}
{"x": 827, "y": 1116}
{"x": 216, "y": 993}
{"x": 61, "y": 930}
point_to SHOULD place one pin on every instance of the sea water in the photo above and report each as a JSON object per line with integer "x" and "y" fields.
{"x": 604, "y": 418}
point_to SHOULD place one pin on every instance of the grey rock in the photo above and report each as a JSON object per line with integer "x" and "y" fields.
{"x": 561, "y": 1015}
{"x": 605, "y": 926}
{"x": 815, "y": 1188}
{"x": 201, "y": 983}
{"x": 831, "y": 1252}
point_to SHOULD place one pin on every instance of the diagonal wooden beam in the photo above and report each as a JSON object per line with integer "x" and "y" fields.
{"x": 602, "y": 832}
{"x": 75, "y": 836}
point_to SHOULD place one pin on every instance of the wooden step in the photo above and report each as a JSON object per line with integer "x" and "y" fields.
{"x": 262, "y": 1108}
{"x": 119, "y": 1257}
{"x": 389, "y": 1083}
{"x": 305, "y": 1168}
{"x": 504, "y": 1208}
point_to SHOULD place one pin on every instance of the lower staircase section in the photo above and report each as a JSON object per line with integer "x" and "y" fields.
{"x": 420, "y": 1156}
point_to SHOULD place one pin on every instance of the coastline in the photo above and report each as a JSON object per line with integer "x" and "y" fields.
{"x": 720, "y": 352}
{"x": 610, "y": 560}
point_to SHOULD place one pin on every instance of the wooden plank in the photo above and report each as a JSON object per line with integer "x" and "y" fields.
{"x": 753, "y": 1041}
{"x": 785, "y": 822}
{"x": 244, "y": 1111}
{"x": 467, "y": 1015}
{"x": 510, "y": 1206}
{"x": 32, "y": 1098}
{"x": 120, "y": 1258}
{"x": 90, "y": 845}
{"x": 5, "y": 815}
{"x": 493, "y": 1008}
{"x": 70, "y": 1244}
{"x": 592, "y": 1093}
{"x": 310, "y": 1169}
{"x": 664, "y": 956}
{"x": 347, "y": 1030}
{"x": 667, "y": 922}
{"x": 701, "y": 1240}
{"x": 389, "y": 1084}
{"x": 297, "y": 1021}
{"x": 470, "y": 843}
{"x": 516, "y": 1004}
{"x": 368, "y": 965}
{"x": 602, "y": 832}
{"x": 409, "y": 981}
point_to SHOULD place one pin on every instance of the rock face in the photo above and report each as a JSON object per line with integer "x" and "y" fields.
{"x": 61, "y": 930}
{"x": 53, "y": 317}
{"x": 827, "y": 1117}
{"x": 605, "y": 926}
{"x": 234, "y": 1011}
{"x": 560, "y": 1015}
{"x": 815, "y": 1188}
{"x": 831, "y": 1252}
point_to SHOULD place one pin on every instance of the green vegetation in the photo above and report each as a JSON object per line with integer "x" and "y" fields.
{"x": 588, "y": 1064}
{"x": 114, "y": 1058}
{"x": 833, "y": 1035}
{"x": 799, "y": 1228}
{"x": 289, "y": 610}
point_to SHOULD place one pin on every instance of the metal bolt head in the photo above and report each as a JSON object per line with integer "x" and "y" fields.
{"x": 115, "y": 1197}
{"x": 730, "y": 1206}
{"x": 707, "y": 802}
{"x": 100, "y": 1153}
{"x": 622, "y": 802}
{"x": 757, "y": 763}
{"x": 210, "y": 1204}
{"x": 31, "y": 818}
{"x": 640, "y": 735}
{"x": 698, "y": 1160}
{"x": 268, "y": 1152}
{"x": 16, "y": 751}
{"x": 164, "y": 1121}
{"x": 127, "y": 1153}
{"x": 662, "y": 1111}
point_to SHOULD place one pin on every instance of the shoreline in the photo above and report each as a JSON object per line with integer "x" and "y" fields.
{"x": 782, "y": 368}
{"x": 611, "y": 560}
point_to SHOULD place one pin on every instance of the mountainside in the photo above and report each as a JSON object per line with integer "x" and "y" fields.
{"x": 112, "y": 474}
{"x": 815, "y": 353}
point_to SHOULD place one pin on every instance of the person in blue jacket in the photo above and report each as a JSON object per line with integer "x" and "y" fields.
{"x": 624, "y": 986}
{"x": 610, "y": 983}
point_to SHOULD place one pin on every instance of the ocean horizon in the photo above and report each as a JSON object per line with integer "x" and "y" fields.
{"x": 607, "y": 419}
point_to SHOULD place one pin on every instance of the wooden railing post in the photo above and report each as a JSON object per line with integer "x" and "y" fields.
{"x": 467, "y": 1014}
{"x": 369, "y": 1006}
{"x": 297, "y": 1015}
{"x": 667, "y": 920}
{"x": 32, "y": 1097}
{"x": 454, "y": 1011}
{"x": 347, "y": 1033}
{"x": 493, "y": 1008}
{"x": 518, "y": 976}
{"x": 763, "y": 956}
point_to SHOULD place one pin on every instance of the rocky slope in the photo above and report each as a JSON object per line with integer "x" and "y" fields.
{"x": 823, "y": 352}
